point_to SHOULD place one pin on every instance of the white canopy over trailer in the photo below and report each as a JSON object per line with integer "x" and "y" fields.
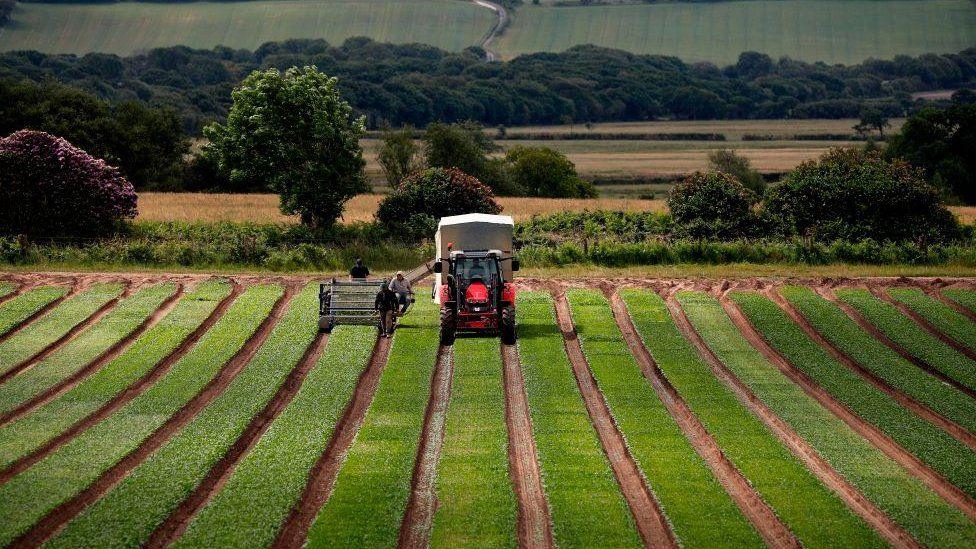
{"x": 473, "y": 232}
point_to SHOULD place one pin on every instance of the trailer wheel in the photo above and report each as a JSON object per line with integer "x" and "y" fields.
{"x": 448, "y": 326}
{"x": 325, "y": 325}
{"x": 508, "y": 326}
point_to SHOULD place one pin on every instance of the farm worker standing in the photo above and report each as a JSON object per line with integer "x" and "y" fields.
{"x": 359, "y": 270}
{"x": 386, "y": 304}
{"x": 401, "y": 286}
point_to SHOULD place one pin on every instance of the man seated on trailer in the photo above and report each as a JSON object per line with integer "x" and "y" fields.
{"x": 401, "y": 286}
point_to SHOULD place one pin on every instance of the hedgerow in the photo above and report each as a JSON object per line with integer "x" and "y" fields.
{"x": 77, "y": 353}
{"x": 129, "y": 513}
{"x": 946, "y": 455}
{"x": 35, "y": 492}
{"x": 373, "y": 486}
{"x": 21, "y": 307}
{"x": 30, "y": 432}
{"x": 906, "y": 333}
{"x": 587, "y": 507}
{"x": 682, "y": 483}
{"x": 476, "y": 502}
{"x": 266, "y": 484}
{"x": 712, "y": 205}
{"x": 46, "y": 330}
{"x": 905, "y": 499}
{"x": 808, "y": 508}
{"x": 948, "y": 321}
{"x": 878, "y": 358}
{"x": 966, "y": 298}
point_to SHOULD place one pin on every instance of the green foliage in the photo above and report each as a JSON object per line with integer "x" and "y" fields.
{"x": 251, "y": 508}
{"x": 727, "y": 161}
{"x": 948, "y": 321}
{"x": 412, "y": 210}
{"x": 30, "y": 432}
{"x": 808, "y": 508}
{"x": 682, "y": 483}
{"x": 966, "y": 298}
{"x": 90, "y": 344}
{"x": 541, "y": 171}
{"x": 32, "y": 494}
{"x": 398, "y": 155}
{"x": 21, "y": 307}
{"x": 712, "y": 205}
{"x": 941, "y": 142}
{"x": 872, "y": 119}
{"x": 468, "y": 148}
{"x": 853, "y": 195}
{"x": 293, "y": 134}
{"x": 476, "y": 502}
{"x": 54, "y": 325}
{"x": 371, "y": 492}
{"x": 587, "y": 507}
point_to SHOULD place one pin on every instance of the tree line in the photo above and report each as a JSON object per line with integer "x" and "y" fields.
{"x": 417, "y": 84}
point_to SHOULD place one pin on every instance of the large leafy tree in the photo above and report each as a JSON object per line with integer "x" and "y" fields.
{"x": 541, "y": 171}
{"x": 293, "y": 134}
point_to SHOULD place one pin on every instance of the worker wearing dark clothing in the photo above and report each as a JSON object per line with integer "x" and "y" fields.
{"x": 386, "y": 304}
{"x": 359, "y": 270}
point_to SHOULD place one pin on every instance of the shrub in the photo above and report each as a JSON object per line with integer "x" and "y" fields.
{"x": 712, "y": 205}
{"x": 49, "y": 187}
{"x": 727, "y": 161}
{"x": 541, "y": 171}
{"x": 412, "y": 210}
{"x": 853, "y": 195}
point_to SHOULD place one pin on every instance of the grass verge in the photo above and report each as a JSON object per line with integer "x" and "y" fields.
{"x": 38, "y": 490}
{"x": 950, "y": 322}
{"x": 22, "y": 307}
{"x": 683, "y": 484}
{"x": 373, "y": 486}
{"x": 587, "y": 507}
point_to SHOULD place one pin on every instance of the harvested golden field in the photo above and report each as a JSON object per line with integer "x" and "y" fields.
{"x": 732, "y": 129}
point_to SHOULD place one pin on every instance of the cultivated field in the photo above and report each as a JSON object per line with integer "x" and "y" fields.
{"x": 125, "y": 28}
{"x": 833, "y": 31}
{"x": 192, "y": 411}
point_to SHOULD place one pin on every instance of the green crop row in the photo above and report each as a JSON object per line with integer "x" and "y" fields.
{"x": 966, "y": 298}
{"x": 21, "y": 307}
{"x": 30, "y": 432}
{"x": 948, "y": 320}
{"x": 129, "y": 513}
{"x": 699, "y": 510}
{"x": 250, "y": 509}
{"x": 373, "y": 486}
{"x": 935, "y": 447}
{"x": 879, "y": 359}
{"x": 906, "y": 333}
{"x": 33, "y": 493}
{"x": 6, "y": 288}
{"x": 76, "y": 354}
{"x": 46, "y": 330}
{"x": 587, "y": 507}
{"x": 811, "y": 511}
{"x": 903, "y": 497}
{"x": 476, "y": 502}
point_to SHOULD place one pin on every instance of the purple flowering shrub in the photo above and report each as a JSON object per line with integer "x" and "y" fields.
{"x": 49, "y": 187}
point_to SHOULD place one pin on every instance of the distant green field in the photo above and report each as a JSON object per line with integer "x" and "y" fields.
{"x": 129, "y": 27}
{"x": 834, "y": 31}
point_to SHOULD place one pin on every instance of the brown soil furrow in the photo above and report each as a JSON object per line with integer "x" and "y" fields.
{"x": 876, "y": 436}
{"x": 75, "y": 289}
{"x": 762, "y": 517}
{"x": 870, "y": 328}
{"x": 62, "y": 514}
{"x": 648, "y": 516}
{"x": 39, "y": 356}
{"x": 815, "y": 463}
{"x": 956, "y": 431}
{"x": 125, "y": 396}
{"x": 534, "y": 522}
{"x": 419, "y": 515}
{"x": 174, "y": 526}
{"x": 925, "y": 324}
{"x": 322, "y": 477}
{"x": 101, "y": 360}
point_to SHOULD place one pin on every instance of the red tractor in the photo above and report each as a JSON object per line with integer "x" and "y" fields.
{"x": 475, "y": 296}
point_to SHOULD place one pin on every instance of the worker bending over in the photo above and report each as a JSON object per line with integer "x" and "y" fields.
{"x": 386, "y": 304}
{"x": 401, "y": 287}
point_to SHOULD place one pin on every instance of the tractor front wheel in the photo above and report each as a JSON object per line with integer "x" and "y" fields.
{"x": 448, "y": 326}
{"x": 508, "y": 325}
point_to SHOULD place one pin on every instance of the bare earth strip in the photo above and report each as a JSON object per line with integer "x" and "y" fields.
{"x": 651, "y": 522}
{"x": 534, "y": 522}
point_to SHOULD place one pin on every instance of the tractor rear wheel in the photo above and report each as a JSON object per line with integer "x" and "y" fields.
{"x": 448, "y": 326}
{"x": 508, "y": 325}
